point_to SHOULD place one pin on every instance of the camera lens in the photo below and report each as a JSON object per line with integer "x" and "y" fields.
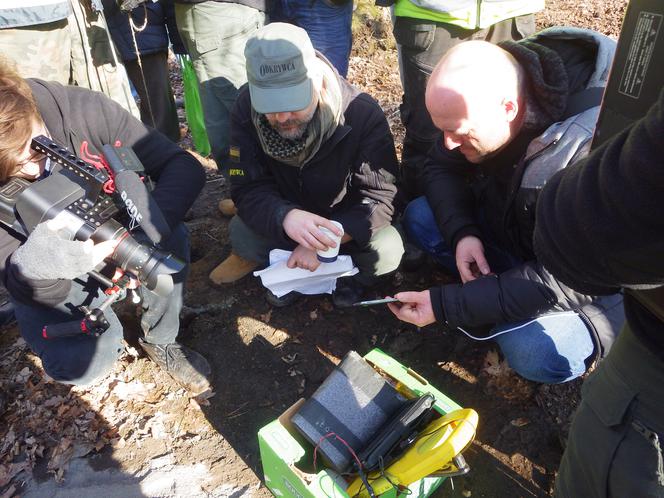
{"x": 153, "y": 267}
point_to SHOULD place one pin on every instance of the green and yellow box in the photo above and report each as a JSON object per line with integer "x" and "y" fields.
{"x": 288, "y": 458}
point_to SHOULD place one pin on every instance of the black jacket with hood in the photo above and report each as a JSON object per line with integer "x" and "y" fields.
{"x": 74, "y": 116}
{"x": 562, "y": 65}
{"x": 351, "y": 179}
{"x": 616, "y": 199}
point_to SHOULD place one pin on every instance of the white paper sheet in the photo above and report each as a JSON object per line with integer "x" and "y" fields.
{"x": 281, "y": 280}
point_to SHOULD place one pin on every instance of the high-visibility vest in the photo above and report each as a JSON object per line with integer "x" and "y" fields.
{"x": 468, "y": 14}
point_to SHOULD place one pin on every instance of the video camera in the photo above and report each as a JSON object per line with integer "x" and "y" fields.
{"x": 75, "y": 192}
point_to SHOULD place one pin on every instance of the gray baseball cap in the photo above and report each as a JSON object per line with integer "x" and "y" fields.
{"x": 280, "y": 63}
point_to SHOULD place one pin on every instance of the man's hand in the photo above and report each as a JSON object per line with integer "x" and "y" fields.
{"x": 470, "y": 259}
{"x": 302, "y": 227}
{"x": 414, "y": 307}
{"x": 303, "y": 258}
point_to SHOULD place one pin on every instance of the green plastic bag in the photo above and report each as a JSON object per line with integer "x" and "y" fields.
{"x": 193, "y": 108}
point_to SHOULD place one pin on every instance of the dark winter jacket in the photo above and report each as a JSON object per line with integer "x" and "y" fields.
{"x": 261, "y": 5}
{"x": 600, "y": 224}
{"x": 559, "y": 63}
{"x": 350, "y": 179}
{"x": 75, "y": 115}
{"x": 153, "y": 38}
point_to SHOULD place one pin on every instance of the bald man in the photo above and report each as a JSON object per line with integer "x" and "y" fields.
{"x": 510, "y": 116}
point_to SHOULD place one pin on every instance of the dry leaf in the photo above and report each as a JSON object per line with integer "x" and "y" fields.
{"x": 289, "y": 358}
{"x": 23, "y": 375}
{"x": 520, "y": 422}
{"x": 134, "y": 390}
{"x": 493, "y": 366}
{"x": 60, "y": 457}
{"x": 54, "y": 401}
{"x": 7, "y": 472}
{"x": 9, "y": 493}
{"x": 267, "y": 316}
{"x": 207, "y": 394}
{"x": 132, "y": 351}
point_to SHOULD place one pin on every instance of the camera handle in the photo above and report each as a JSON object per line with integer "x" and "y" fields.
{"x": 94, "y": 323}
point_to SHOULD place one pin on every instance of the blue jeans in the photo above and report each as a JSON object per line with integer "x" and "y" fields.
{"x": 328, "y": 26}
{"x": 550, "y": 348}
{"x": 81, "y": 359}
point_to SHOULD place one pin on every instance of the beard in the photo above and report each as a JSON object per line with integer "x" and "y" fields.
{"x": 293, "y": 129}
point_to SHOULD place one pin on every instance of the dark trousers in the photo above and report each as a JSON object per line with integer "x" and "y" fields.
{"x": 154, "y": 88}
{"x": 615, "y": 442}
{"x": 80, "y": 359}
{"x": 423, "y": 43}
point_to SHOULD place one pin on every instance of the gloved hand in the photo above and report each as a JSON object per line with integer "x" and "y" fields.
{"x": 47, "y": 255}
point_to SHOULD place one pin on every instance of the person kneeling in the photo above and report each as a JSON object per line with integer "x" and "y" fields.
{"x": 47, "y": 275}
{"x": 510, "y": 116}
{"x": 308, "y": 148}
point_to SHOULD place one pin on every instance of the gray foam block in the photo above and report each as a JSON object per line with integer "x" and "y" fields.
{"x": 353, "y": 403}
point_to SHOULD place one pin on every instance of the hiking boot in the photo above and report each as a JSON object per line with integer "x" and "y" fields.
{"x": 227, "y": 207}
{"x": 7, "y": 313}
{"x": 232, "y": 269}
{"x": 285, "y": 300}
{"x": 413, "y": 258}
{"x": 187, "y": 367}
{"x": 348, "y": 292}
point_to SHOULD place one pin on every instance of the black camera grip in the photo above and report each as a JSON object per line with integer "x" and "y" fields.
{"x": 93, "y": 324}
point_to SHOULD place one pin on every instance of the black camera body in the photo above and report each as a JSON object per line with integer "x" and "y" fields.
{"x": 74, "y": 192}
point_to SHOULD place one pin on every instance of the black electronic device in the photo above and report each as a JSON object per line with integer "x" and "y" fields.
{"x": 347, "y": 410}
{"x": 397, "y": 433}
{"x": 74, "y": 192}
{"x": 637, "y": 74}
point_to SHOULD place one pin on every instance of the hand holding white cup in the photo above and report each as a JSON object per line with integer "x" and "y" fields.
{"x": 330, "y": 254}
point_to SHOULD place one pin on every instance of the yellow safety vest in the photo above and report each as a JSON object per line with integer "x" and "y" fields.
{"x": 468, "y": 14}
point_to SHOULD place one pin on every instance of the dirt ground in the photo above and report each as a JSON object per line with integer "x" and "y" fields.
{"x": 264, "y": 359}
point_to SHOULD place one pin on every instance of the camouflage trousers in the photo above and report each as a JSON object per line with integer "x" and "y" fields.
{"x": 72, "y": 51}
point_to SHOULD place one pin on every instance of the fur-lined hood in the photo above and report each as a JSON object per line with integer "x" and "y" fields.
{"x": 559, "y": 62}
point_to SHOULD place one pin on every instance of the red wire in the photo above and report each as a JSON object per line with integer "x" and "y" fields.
{"x": 330, "y": 434}
{"x": 99, "y": 162}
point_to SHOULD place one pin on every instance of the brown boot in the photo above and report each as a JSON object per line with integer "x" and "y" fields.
{"x": 227, "y": 207}
{"x": 233, "y": 268}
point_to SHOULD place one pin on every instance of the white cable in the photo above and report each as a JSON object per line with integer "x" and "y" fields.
{"x": 553, "y": 315}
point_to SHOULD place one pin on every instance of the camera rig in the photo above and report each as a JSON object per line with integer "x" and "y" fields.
{"x": 77, "y": 192}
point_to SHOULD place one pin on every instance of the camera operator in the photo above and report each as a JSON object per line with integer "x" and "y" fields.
{"x": 46, "y": 275}
{"x": 600, "y": 226}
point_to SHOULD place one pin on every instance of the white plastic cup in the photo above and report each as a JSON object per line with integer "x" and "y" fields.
{"x": 330, "y": 255}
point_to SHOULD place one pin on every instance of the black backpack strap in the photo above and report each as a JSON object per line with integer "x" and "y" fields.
{"x": 583, "y": 100}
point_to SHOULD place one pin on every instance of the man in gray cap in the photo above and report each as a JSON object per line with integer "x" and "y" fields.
{"x": 307, "y": 148}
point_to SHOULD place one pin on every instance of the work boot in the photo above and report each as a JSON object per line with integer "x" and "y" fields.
{"x": 7, "y": 313}
{"x": 187, "y": 367}
{"x": 283, "y": 301}
{"x": 413, "y": 258}
{"x": 232, "y": 269}
{"x": 348, "y": 292}
{"x": 227, "y": 207}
